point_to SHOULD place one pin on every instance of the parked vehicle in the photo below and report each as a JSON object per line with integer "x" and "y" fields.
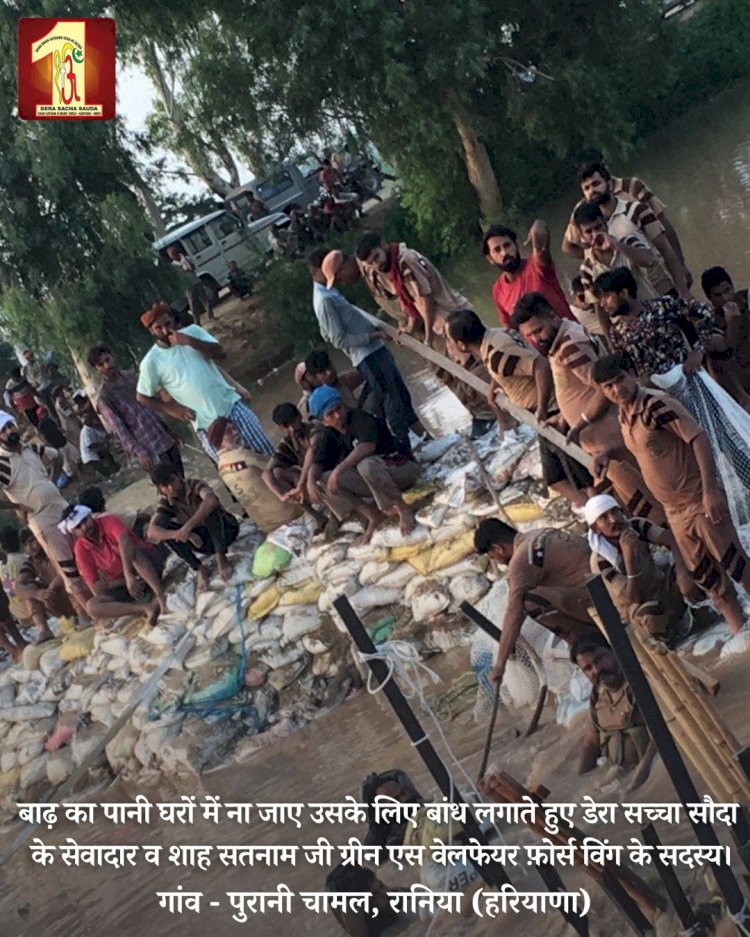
{"x": 212, "y": 241}
{"x": 289, "y": 186}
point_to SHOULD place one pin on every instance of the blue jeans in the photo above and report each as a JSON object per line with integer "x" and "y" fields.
{"x": 382, "y": 374}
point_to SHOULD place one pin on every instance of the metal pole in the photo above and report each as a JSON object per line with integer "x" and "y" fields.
{"x": 482, "y": 621}
{"x": 665, "y": 744}
{"x": 688, "y": 918}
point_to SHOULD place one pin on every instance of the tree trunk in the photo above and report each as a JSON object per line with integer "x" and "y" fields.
{"x": 200, "y": 164}
{"x": 146, "y": 198}
{"x": 478, "y": 167}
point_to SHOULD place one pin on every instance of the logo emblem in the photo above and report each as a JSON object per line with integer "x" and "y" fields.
{"x": 66, "y": 69}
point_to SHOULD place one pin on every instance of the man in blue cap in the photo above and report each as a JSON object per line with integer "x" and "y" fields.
{"x": 356, "y": 456}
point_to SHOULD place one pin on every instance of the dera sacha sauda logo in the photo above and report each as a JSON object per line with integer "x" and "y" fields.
{"x": 66, "y": 69}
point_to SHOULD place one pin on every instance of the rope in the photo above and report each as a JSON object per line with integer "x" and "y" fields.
{"x": 211, "y": 706}
{"x": 741, "y": 918}
{"x": 403, "y": 661}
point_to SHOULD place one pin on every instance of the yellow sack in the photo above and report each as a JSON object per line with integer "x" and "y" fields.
{"x": 66, "y": 625}
{"x": 78, "y": 644}
{"x": 304, "y": 593}
{"x": 10, "y": 780}
{"x": 399, "y": 554}
{"x": 443, "y": 554}
{"x": 523, "y": 511}
{"x": 420, "y": 491}
{"x": 265, "y": 603}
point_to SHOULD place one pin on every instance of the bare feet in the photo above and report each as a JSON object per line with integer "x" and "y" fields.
{"x": 407, "y": 521}
{"x": 333, "y": 525}
{"x": 374, "y": 520}
{"x": 201, "y": 579}
{"x": 152, "y": 612}
{"x": 224, "y": 567}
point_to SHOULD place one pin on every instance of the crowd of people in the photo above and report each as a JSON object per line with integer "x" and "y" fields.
{"x": 588, "y": 363}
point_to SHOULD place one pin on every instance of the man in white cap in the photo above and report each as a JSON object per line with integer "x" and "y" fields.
{"x": 345, "y": 327}
{"x": 645, "y": 594}
{"x": 122, "y": 571}
{"x": 29, "y": 490}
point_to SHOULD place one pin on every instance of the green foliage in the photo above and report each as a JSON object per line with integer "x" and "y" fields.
{"x": 285, "y": 292}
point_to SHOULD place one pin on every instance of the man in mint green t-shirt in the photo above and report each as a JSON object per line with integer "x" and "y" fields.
{"x": 183, "y": 362}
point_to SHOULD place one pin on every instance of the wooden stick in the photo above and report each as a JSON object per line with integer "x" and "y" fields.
{"x": 484, "y": 475}
{"x": 477, "y": 384}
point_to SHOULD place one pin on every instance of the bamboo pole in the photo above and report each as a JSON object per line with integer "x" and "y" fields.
{"x": 710, "y": 735}
{"x": 654, "y": 718}
{"x": 477, "y": 384}
{"x": 684, "y": 729}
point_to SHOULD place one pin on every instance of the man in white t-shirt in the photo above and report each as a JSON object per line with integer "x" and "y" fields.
{"x": 183, "y": 362}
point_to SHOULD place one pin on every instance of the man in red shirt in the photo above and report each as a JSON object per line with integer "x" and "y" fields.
{"x": 520, "y": 275}
{"x": 117, "y": 566}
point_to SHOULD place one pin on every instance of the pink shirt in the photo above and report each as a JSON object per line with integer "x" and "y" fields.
{"x": 531, "y": 278}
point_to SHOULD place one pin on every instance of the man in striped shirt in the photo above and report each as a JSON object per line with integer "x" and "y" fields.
{"x": 675, "y": 456}
{"x": 524, "y": 376}
{"x": 620, "y": 213}
{"x": 139, "y": 431}
{"x": 585, "y": 413}
{"x": 629, "y": 188}
{"x": 189, "y": 518}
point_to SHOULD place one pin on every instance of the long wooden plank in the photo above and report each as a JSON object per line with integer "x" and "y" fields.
{"x": 477, "y": 384}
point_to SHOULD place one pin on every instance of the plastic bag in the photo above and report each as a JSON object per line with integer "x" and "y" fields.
{"x": 270, "y": 559}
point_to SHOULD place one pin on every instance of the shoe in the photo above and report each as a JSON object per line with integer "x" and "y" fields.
{"x": 480, "y": 428}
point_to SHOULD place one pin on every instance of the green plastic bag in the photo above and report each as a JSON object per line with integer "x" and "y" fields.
{"x": 270, "y": 559}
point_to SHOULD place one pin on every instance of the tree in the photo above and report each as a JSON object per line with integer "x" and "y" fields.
{"x": 76, "y": 263}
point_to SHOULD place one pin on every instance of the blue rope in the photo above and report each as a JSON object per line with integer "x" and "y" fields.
{"x": 211, "y": 707}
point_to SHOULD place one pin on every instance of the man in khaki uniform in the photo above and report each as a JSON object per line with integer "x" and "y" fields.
{"x": 547, "y": 573}
{"x": 394, "y": 273}
{"x": 616, "y": 729}
{"x": 589, "y": 417}
{"x": 675, "y": 457}
{"x": 644, "y": 594}
{"x": 410, "y": 289}
{"x": 524, "y": 376}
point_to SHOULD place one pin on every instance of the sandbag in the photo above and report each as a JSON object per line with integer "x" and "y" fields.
{"x": 265, "y": 603}
{"x": 303, "y": 594}
{"x": 241, "y": 471}
{"x": 78, "y": 644}
{"x": 270, "y": 559}
{"x": 443, "y": 554}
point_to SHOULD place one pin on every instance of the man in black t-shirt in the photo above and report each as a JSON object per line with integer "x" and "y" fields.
{"x": 354, "y": 457}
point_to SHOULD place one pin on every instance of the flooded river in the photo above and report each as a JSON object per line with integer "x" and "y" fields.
{"x": 700, "y": 167}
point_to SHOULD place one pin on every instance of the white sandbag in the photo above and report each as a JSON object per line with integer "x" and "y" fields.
{"x": 119, "y": 750}
{"x": 29, "y": 751}
{"x": 365, "y": 552}
{"x": 374, "y": 597}
{"x": 399, "y": 578}
{"x": 206, "y": 603}
{"x": 86, "y": 741}
{"x": 373, "y": 572}
{"x": 31, "y": 692}
{"x": 468, "y": 587}
{"x": 50, "y": 662}
{"x": 165, "y": 635}
{"x": 281, "y": 658}
{"x": 335, "y": 575}
{"x": 299, "y": 621}
{"x": 348, "y": 588}
{"x": 28, "y": 713}
{"x": 260, "y": 585}
{"x": 471, "y": 564}
{"x": 115, "y": 646}
{"x": 429, "y": 599}
{"x": 414, "y": 583}
{"x": 297, "y": 571}
{"x": 436, "y": 448}
{"x": 392, "y": 537}
{"x": 314, "y": 645}
{"x": 333, "y": 554}
{"x": 222, "y": 623}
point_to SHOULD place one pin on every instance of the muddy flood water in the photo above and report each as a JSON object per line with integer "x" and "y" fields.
{"x": 700, "y": 167}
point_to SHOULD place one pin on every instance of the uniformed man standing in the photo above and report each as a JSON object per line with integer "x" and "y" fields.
{"x": 547, "y": 573}
{"x": 586, "y": 414}
{"x": 675, "y": 456}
